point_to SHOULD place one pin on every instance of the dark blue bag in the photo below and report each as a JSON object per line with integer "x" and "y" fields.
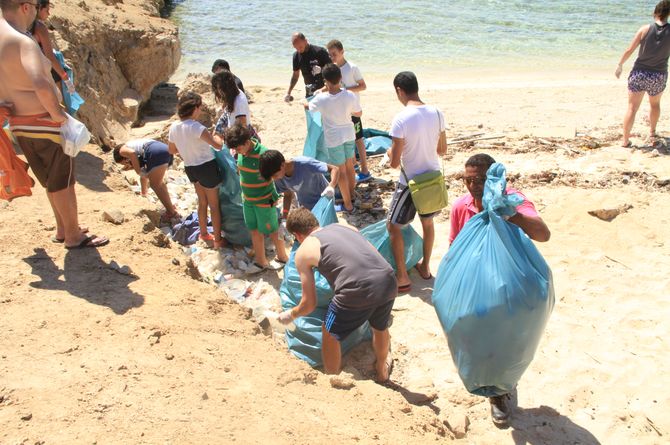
{"x": 493, "y": 295}
{"x": 305, "y": 340}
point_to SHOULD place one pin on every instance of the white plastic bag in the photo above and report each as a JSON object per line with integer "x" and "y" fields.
{"x": 75, "y": 135}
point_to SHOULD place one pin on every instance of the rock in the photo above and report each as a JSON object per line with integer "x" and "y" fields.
{"x": 342, "y": 382}
{"x": 610, "y": 214}
{"x": 175, "y": 261}
{"x": 123, "y": 270}
{"x": 458, "y": 425}
{"x": 625, "y": 179}
{"x": 148, "y": 227}
{"x": 169, "y": 356}
{"x": 27, "y": 416}
{"x": 265, "y": 326}
{"x": 130, "y": 102}
{"x": 205, "y": 396}
{"x": 192, "y": 270}
{"x": 113, "y": 216}
{"x": 152, "y": 214}
{"x": 163, "y": 100}
{"x": 161, "y": 240}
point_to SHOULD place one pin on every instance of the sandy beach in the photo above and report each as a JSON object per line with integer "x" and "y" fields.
{"x": 88, "y": 355}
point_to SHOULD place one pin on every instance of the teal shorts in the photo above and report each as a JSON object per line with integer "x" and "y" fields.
{"x": 339, "y": 155}
{"x": 264, "y": 219}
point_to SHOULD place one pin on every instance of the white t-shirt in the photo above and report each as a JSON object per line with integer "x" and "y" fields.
{"x": 137, "y": 145}
{"x": 336, "y": 112}
{"x": 420, "y": 127}
{"x": 351, "y": 75}
{"x": 240, "y": 108}
{"x": 186, "y": 136}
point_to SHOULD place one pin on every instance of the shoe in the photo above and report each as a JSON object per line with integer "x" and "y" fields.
{"x": 362, "y": 177}
{"x": 501, "y": 410}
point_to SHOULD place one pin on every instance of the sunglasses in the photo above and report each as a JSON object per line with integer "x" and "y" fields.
{"x": 476, "y": 180}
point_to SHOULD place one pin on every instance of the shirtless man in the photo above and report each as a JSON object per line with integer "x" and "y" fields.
{"x": 26, "y": 85}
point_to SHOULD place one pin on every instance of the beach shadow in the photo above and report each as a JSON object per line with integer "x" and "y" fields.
{"x": 413, "y": 398}
{"x": 421, "y": 289}
{"x": 85, "y": 275}
{"x": 90, "y": 172}
{"x": 536, "y": 426}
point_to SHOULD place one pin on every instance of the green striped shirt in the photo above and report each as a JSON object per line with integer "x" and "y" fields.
{"x": 256, "y": 190}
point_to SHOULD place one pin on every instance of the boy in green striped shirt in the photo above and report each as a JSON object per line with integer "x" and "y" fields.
{"x": 260, "y": 195}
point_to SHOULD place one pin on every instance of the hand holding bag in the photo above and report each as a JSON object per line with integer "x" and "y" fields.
{"x": 75, "y": 135}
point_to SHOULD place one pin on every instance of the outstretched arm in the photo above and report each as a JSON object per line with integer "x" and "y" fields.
{"x": 631, "y": 48}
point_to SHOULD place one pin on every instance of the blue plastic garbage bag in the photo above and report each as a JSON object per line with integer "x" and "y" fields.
{"x": 493, "y": 295}
{"x": 314, "y": 142}
{"x": 72, "y": 101}
{"x": 378, "y": 236}
{"x": 376, "y": 141}
{"x": 305, "y": 341}
{"x": 230, "y": 200}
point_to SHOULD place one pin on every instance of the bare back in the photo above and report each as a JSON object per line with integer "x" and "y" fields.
{"x": 23, "y": 64}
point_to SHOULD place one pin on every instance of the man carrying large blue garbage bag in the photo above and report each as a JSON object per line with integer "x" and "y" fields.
{"x": 363, "y": 283}
{"x": 493, "y": 292}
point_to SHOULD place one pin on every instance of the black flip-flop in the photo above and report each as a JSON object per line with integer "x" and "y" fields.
{"x": 404, "y": 288}
{"x": 429, "y": 277}
{"x": 87, "y": 242}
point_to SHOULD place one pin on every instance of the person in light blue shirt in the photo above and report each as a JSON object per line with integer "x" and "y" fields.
{"x": 302, "y": 177}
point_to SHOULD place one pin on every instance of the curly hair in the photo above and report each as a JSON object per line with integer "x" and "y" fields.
{"x": 225, "y": 89}
{"x": 187, "y": 104}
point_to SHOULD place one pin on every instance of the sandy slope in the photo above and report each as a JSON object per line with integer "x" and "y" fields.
{"x": 94, "y": 356}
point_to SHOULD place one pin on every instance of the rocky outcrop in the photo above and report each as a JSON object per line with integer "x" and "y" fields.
{"x": 119, "y": 50}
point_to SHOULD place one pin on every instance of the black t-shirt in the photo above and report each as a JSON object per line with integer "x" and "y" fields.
{"x": 239, "y": 84}
{"x": 310, "y": 64}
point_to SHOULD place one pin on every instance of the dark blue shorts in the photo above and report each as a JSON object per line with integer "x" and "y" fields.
{"x": 156, "y": 154}
{"x": 342, "y": 322}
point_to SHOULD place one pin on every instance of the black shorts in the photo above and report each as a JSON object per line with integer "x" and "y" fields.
{"x": 207, "y": 174}
{"x": 342, "y": 322}
{"x": 358, "y": 126}
{"x": 402, "y": 210}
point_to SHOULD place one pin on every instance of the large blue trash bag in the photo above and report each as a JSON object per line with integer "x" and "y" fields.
{"x": 72, "y": 101}
{"x": 376, "y": 141}
{"x": 493, "y": 295}
{"x": 378, "y": 236}
{"x": 314, "y": 142}
{"x": 230, "y": 200}
{"x": 305, "y": 340}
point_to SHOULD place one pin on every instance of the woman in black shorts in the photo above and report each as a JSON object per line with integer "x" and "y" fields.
{"x": 650, "y": 71}
{"x": 194, "y": 143}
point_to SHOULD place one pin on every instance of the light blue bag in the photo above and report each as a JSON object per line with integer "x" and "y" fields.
{"x": 379, "y": 237}
{"x": 493, "y": 295}
{"x": 314, "y": 142}
{"x": 72, "y": 101}
{"x": 305, "y": 341}
{"x": 230, "y": 200}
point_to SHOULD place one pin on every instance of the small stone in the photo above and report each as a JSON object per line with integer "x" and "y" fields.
{"x": 175, "y": 261}
{"x": 27, "y": 416}
{"x": 406, "y": 408}
{"x": 192, "y": 270}
{"x": 169, "y": 356}
{"x": 625, "y": 179}
{"x": 205, "y": 396}
{"x": 458, "y": 425}
{"x": 148, "y": 227}
{"x": 342, "y": 382}
{"x": 123, "y": 270}
{"x": 161, "y": 240}
{"x": 113, "y": 216}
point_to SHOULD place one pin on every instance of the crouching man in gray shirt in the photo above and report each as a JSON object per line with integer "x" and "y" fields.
{"x": 363, "y": 283}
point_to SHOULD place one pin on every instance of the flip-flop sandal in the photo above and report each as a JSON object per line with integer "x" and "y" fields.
{"x": 88, "y": 242}
{"x": 429, "y": 277}
{"x": 57, "y": 240}
{"x": 404, "y": 288}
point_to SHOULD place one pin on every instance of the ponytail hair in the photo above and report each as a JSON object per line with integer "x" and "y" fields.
{"x": 662, "y": 10}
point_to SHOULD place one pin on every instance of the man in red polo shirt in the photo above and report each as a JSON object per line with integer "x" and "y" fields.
{"x": 526, "y": 217}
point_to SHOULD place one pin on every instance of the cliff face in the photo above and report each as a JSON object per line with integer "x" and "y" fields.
{"x": 119, "y": 50}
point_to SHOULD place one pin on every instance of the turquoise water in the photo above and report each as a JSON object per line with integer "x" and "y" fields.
{"x": 386, "y": 37}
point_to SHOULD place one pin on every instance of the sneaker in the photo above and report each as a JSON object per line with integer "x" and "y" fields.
{"x": 501, "y": 410}
{"x": 362, "y": 177}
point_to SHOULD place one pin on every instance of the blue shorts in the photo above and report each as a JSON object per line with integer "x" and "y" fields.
{"x": 155, "y": 154}
{"x": 339, "y": 155}
{"x": 650, "y": 82}
{"x": 342, "y": 322}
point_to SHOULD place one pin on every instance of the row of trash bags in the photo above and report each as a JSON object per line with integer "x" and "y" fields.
{"x": 305, "y": 340}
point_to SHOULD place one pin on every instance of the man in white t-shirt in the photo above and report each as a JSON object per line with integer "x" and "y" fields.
{"x": 352, "y": 80}
{"x": 419, "y": 139}
{"x": 336, "y": 107}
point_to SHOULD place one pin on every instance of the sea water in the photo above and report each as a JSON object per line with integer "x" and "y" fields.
{"x": 384, "y": 37}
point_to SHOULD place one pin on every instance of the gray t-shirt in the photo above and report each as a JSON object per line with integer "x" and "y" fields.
{"x": 654, "y": 49}
{"x": 307, "y": 181}
{"x": 360, "y": 277}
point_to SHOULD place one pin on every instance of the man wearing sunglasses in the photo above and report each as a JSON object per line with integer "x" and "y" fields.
{"x": 469, "y": 205}
{"x": 36, "y": 117}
